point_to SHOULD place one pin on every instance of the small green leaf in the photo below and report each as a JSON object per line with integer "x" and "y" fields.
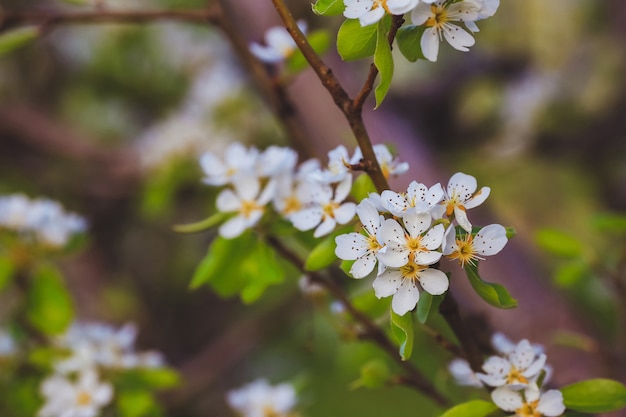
{"x": 319, "y": 41}
{"x": 362, "y": 187}
{"x": 374, "y": 374}
{"x": 7, "y": 269}
{"x": 205, "y": 224}
{"x": 15, "y": 39}
{"x": 49, "y": 305}
{"x": 559, "y": 243}
{"x": 402, "y": 328}
{"x": 408, "y": 38}
{"x": 259, "y": 270}
{"x": 384, "y": 62}
{"x": 510, "y": 232}
{"x": 609, "y": 222}
{"x": 148, "y": 379}
{"x": 475, "y": 408}
{"x": 328, "y": 7}
{"x": 494, "y": 294}
{"x": 595, "y": 396}
{"x": 355, "y": 41}
{"x": 571, "y": 273}
{"x": 135, "y": 403}
{"x": 322, "y": 255}
{"x": 426, "y": 304}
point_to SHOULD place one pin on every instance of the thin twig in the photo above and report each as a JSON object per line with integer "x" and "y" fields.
{"x": 372, "y": 332}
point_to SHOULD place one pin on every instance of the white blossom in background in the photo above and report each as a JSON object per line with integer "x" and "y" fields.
{"x": 247, "y": 201}
{"x": 7, "y": 344}
{"x": 417, "y": 199}
{"x": 276, "y": 161}
{"x": 487, "y": 9}
{"x": 463, "y": 374}
{"x": 460, "y": 196}
{"x": 363, "y": 248}
{"x": 469, "y": 249}
{"x": 237, "y": 160}
{"x": 530, "y": 402}
{"x": 84, "y": 397}
{"x": 520, "y": 367}
{"x": 293, "y": 190}
{"x": 43, "y": 219}
{"x": 437, "y": 18}
{"x": 337, "y": 169}
{"x": 260, "y": 399}
{"x": 326, "y": 208}
{"x": 389, "y": 165}
{"x": 279, "y": 45}
{"x": 371, "y": 11}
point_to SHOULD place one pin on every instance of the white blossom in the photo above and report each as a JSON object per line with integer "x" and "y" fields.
{"x": 469, "y": 249}
{"x": 337, "y": 169}
{"x": 463, "y": 373}
{"x": 417, "y": 199}
{"x": 487, "y": 9}
{"x": 460, "y": 196}
{"x": 530, "y": 402}
{"x": 84, "y": 397}
{"x": 237, "y": 161}
{"x": 371, "y": 11}
{"x": 260, "y": 399}
{"x": 437, "y": 17}
{"x": 389, "y": 165}
{"x": 279, "y": 45}
{"x": 521, "y": 367}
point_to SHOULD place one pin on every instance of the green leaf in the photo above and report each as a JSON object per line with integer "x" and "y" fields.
{"x": 426, "y": 304}
{"x": 261, "y": 269}
{"x": 475, "y": 408}
{"x": 355, "y": 41}
{"x": 205, "y": 224}
{"x": 559, "y": 243}
{"x": 402, "y": 328}
{"x": 219, "y": 262}
{"x": 135, "y": 403}
{"x": 362, "y": 187}
{"x": 595, "y": 396}
{"x": 384, "y": 62}
{"x": 408, "y": 38}
{"x": 494, "y": 294}
{"x": 510, "y": 232}
{"x": 571, "y": 273}
{"x": 148, "y": 379}
{"x": 328, "y": 7}
{"x": 7, "y": 269}
{"x": 609, "y": 222}
{"x": 346, "y": 266}
{"x": 322, "y": 255}
{"x": 15, "y": 39}
{"x": 320, "y": 42}
{"x": 49, "y": 305}
{"x": 374, "y": 374}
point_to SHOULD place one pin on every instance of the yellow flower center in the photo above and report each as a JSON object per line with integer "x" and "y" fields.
{"x": 515, "y": 376}
{"x": 381, "y": 3}
{"x": 465, "y": 252}
{"x": 269, "y": 411}
{"x": 528, "y": 410}
{"x": 83, "y": 398}
{"x": 329, "y": 209}
{"x": 248, "y": 207}
{"x": 411, "y": 270}
{"x": 414, "y": 244}
{"x": 292, "y": 204}
{"x": 373, "y": 244}
{"x": 438, "y": 18}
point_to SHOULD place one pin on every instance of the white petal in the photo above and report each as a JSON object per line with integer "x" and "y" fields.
{"x": 533, "y": 369}
{"x": 497, "y": 366}
{"x": 406, "y": 298}
{"x": 502, "y": 343}
{"x": 472, "y": 27}
{"x": 461, "y": 217}
{"x": 369, "y": 217}
{"x": 435, "y": 194}
{"x": 212, "y": 165}
{"x": 523, "y": 355}
{"x": 463, "y": 185}
{"x": 551, "y": 403}
{"x": 478, "y": 198}
{"x": 427, "y": 257}
{"x": 394, "y": 203}
{"x": 490, "y": 239}
{"x": 420, "y": 14}
{"x": 449, "y": 241}
{"x": 363, "y": 266}
{"x": 394, "y": 258}
{"x": 372, "y": 16}
{"x": 343, "y": 189}
{"x": 351, "y": 246}
{"x": 392, "y": 232}
{"x": 344, "y": 213}
{"x": 457, "y": 37}
{"x": 430, "y": 44}
{"x": 434, "y": 238}
{"x": 433, "y": 281}
{"x": 278, "y": 38}
{"x": 247, "y": 187}
{"x": 492, "y": 381}
{"x": 227, "y": 201}
{"x": 417, "y": 223}
{"x": 268, "y": 193}
{"x": 266, "y": 53}
{"x": 507, "y": 399}
{"x": 325, "y": 228}
{"x": 307, "y": 219}
{"x": 233, "y": 227}
{"x": 358, "y": 8}
{"x": 387, "y": 283}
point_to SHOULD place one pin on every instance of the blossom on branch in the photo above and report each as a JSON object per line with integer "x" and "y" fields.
{"x": 260, "y": 399}
{"x": 529, "y": 402}
{"x": 84, "y": 397}
{"x": 469, "y": 249}
{"x": 279, "y": 45}
{"x": 371, "y": 11}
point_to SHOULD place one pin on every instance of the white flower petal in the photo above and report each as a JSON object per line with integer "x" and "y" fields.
{"x": 533, "y": 369}
{"x": 457, "y": 37}
{"x": 497, "y": 366}
{"x": 394, "y": 203}
{"x": 246, "y": 187}
{"x": 391, "y": 231}
{"x": 387, "y": 283}
{"x": 507, "y": 399}
{"x": 307, "y": 219}
{"x": 478, "y": 198}
{"x": 523, "y": 355}
{"x": 406, "y": 298}
{"x": 417, "y": 223}
{"x": 343, "y": 189}
{"x": 461, "y": 217}
{"x": 266, "y": 53}
{"x": 434, "y": 238}
{"x": 421, "y": 13}
{"x": 490, "y": 239}
{"x": 325, "y": 228}
{"x": 372, "y": 16}
{"x": 427, "y": 257}
{"x": 430, "y": 44}
{"x": 551, "y": 403}
{"x": 463, "y": 185}
{"x": 434, "y": 281}
{"x": 393, "y": 257}
{"x": 351, "y": 246}
{"x": 345, "y": 213}
{"x": 233, "y": 227}
{"x": 369, "y": 217}
{"x": 227, "y": 201}
{"x": 363, "y": 266}
{"x": 357, "y": 8}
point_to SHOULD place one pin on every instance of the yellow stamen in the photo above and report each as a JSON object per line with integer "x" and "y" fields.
{"x": 515, "y": 376}
{"x": 83, "y": 398}
{"x": 381, "y": 3}
{"x": 465, "y": 253}
{"x": 292, "y": 204}
{"x": 248, "y": 207}
{"x": 411, "y": 270}
{"x": 438, "y": 18}
{"x": 329, "y": 209}
{"x": 528, "y": 410}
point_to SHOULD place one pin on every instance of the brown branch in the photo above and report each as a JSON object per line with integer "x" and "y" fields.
{"x": 48, "y": 19}
{"x": 371, "y": 332}
{"x": 338, "y": 93}
{"x": 359, "y": 100}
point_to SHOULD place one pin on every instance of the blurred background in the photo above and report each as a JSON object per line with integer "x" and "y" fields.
{"x": 110, "y": 119}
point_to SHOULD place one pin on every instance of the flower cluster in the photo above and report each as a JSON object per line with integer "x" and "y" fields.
{"x": 260, "y": 399}
{"x": 438, "y": 17}
{"x": 41, "y": 220}
{"x": 308, "y": 195}
{"x": 75, "y": 387}
{"x": 406, "y": 234}
{"x": 516, "y": 373}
